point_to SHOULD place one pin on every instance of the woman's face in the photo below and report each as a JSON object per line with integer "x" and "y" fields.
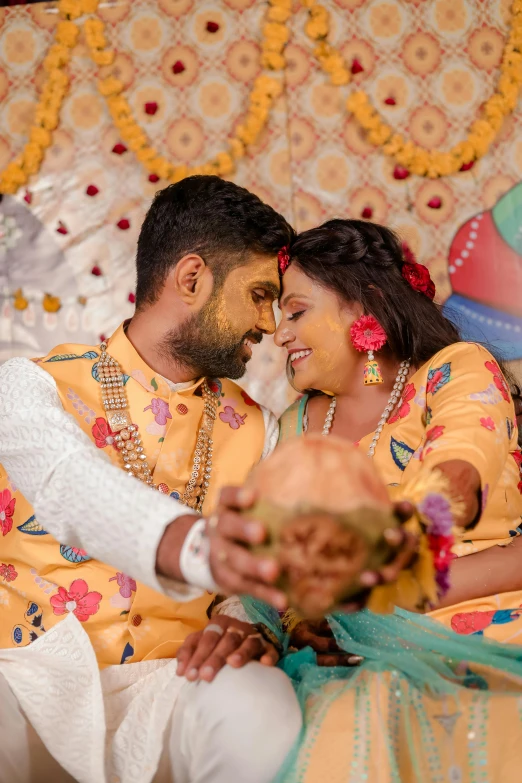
{"x": 315, "y": 330}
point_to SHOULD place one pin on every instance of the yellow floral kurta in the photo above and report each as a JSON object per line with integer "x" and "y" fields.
{"x": 456, "y": 406}
{"x": 42, "y": 580}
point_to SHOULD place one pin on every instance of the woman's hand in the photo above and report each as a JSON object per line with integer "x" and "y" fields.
{"x": 405, "y": 545}
{"x": 317, "y": 634}
{"x": 225, "y": 640}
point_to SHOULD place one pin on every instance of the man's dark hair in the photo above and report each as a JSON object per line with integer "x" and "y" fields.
{"x": 220, "y": 221}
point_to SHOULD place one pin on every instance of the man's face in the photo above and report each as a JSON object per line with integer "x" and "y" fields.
{"x": 217, "y": 341}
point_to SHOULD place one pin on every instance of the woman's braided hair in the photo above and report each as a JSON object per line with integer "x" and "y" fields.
{"x": 363, "y": 262}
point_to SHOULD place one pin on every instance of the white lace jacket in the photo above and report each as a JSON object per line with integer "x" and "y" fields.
{"x": 85, "y": 501}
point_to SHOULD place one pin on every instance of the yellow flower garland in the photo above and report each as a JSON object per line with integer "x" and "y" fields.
{"x": 416, "y": 159}
{"x": 264, "y": 92}
{"x": 47, "y": 112}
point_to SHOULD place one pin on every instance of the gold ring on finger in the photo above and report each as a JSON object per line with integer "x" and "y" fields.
{"x": 212, "y": 522}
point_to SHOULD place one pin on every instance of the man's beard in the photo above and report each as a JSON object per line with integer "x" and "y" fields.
{"x": 202, "y": 344}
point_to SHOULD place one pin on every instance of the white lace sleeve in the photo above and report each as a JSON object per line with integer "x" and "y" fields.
{"x": 78, "y": 495}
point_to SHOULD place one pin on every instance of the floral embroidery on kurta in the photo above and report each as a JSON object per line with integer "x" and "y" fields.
{"x": 404, "y": 405}
{"x": 438, "y": 377}
{"x": 7, "y": 508}
{"x": 77, "y": 599}
{"x": 230, "y": 417}
{"x": 102, "y": 434}
{"x": 401, "y": 453}
{"x": 8, "y": 572}
{"x": 498, "y": 379}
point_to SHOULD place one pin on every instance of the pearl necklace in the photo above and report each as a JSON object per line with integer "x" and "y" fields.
{"x": 127, "y": 437}
{"x": 398, "y": 386}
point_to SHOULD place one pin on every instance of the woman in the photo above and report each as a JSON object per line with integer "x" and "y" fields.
{"x": 442, "y": 404}
{"x": 454, "y": 410}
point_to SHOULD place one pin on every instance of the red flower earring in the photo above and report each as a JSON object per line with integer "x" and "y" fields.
{"x": 368, "y": 335}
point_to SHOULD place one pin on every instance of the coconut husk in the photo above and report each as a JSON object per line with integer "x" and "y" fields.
{"x": 326, "y": 510}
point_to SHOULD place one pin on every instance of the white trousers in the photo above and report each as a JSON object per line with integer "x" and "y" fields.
{"x": 237, "y": 729}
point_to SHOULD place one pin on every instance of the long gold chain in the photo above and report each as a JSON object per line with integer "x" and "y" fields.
{"x": 128, "y": 441}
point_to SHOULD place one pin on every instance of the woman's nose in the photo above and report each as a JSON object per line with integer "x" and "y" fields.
{"x": 283, "y": 335}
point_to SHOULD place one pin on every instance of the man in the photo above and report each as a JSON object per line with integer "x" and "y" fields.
{"x": 99, "y": 572}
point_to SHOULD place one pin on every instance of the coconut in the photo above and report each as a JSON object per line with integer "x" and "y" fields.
{"x": 326, "y": 510}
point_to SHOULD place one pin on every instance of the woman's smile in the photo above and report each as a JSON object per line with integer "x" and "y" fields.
{"x": 298, "y": 355}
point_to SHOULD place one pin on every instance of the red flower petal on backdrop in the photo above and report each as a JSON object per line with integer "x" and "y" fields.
{"x": 400, "y": 172}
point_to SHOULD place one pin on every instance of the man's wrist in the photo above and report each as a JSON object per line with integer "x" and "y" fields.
{"x": 194, "y": 560}
{"x": 170, "y": 546}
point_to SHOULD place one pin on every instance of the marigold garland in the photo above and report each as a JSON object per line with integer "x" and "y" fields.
{"x": 265, "y": 90}
{"x": 47, "y": 112}
{"x": 410, "y": 157}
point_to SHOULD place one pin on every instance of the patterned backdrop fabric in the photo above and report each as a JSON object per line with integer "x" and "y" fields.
{"x": 438, "y": 59}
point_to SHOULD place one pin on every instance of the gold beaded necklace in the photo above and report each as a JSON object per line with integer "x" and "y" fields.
{"x": 127, "y": 437}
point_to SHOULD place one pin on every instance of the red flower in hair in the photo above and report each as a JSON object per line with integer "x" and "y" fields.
{"x": 367, "y": 334}
{"x": 418, "y": 277}
{"x": 407, "y": 252}
{"x": 283, "y": 258}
